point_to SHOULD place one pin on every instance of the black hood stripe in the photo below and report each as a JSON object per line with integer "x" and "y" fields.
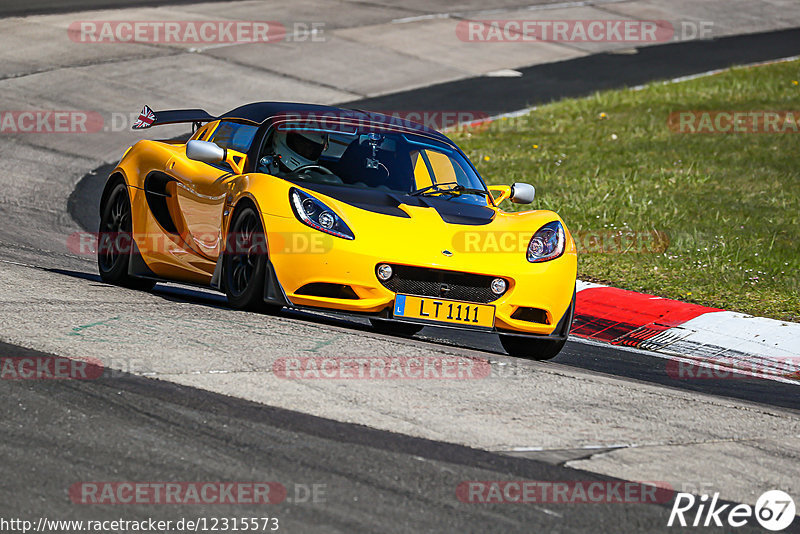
{"x": 388, "y": 203}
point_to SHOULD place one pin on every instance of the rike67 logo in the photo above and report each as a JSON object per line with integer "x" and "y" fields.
{"x": 774, "y": 511}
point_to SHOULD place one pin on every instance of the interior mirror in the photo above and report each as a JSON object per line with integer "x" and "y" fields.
{"x": 522, "y": 193}
{"x": 205, "y": 151}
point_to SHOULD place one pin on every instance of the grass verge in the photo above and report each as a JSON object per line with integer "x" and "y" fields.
{"x": 729, "y": 203}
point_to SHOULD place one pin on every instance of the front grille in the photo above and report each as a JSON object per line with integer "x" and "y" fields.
{"x": 452, "y": 285}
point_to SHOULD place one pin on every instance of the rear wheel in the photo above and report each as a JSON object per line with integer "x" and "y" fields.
{"x": 394, "y": 328}
{"x": 245, "y": 262}
{"x": 115, "y": 240}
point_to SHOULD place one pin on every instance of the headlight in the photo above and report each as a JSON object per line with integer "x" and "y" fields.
{"x": 317, "y": 215}
{"x": 547, "y": 243}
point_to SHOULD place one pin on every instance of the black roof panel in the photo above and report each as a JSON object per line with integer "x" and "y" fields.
{"x": 259, "y": 112}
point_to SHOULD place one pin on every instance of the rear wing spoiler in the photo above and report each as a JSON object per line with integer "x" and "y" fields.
{"x": 148, "y": 118}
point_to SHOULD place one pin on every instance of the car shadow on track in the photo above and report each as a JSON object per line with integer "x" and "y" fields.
{"x": 606, "y": 360}
{"x": 210, "y": 298}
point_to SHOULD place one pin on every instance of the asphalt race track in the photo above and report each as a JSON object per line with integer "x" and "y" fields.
{"x": 582, "y": 76}
{"x": 373, "y": 479}
{"x": 188, "y": 392}
{"x": 556, "y": 80}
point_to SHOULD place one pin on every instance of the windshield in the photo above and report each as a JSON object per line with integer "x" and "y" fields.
{"x": 389, "y": 161}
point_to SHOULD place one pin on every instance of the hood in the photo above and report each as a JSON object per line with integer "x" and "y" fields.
{"x": 389, "y": 203}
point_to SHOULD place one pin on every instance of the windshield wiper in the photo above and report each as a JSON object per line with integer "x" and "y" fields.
{"x": 434, "y": 188}
{"x": 470, "y": 190}
{"x": 457, "y": 189}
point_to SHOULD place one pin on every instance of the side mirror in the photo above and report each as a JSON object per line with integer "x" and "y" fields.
{"x": 205, "y": 151}
{"x": 522, "y": 193}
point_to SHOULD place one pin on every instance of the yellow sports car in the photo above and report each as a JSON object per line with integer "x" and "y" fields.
{"x": 281, "y": 204}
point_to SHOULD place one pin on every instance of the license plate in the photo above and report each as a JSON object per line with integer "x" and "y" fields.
{"x": 444, "y": 311}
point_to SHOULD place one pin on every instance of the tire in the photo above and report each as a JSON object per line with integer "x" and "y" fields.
{"x": 531, "y": 348}
{"x": 539, "y": 349}
{"x": 244, "y": 266}
{"x": 115, "y": 240}
{"x": 394, "y": 328}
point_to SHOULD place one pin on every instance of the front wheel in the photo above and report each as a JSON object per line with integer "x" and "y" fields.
{"x": 540, "y": 348}
{"x": 245, "y": 262}
{"x": 395, "y": 328}
{"x": 531, "y": 348}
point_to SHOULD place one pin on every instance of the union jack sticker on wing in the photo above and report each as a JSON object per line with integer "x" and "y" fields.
{"x": 145, "y": 120}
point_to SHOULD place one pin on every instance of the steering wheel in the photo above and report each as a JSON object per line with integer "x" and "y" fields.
{"x": 302, "y": 168}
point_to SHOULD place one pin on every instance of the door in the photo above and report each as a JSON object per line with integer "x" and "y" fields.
{"x": 202, "y": 188}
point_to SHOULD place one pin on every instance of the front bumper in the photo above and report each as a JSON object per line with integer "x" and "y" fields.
{"x": 302, "y": 257}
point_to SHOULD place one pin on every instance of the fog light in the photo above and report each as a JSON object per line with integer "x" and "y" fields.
{"x": 384, "y": 271}
{"x": 498, "y": 286}
{"x": 327, "y": 219}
